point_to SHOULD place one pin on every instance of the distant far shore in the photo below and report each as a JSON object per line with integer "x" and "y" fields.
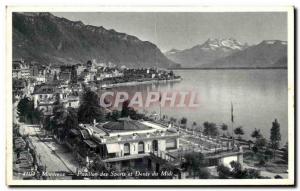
{"x": 230, "y": 68}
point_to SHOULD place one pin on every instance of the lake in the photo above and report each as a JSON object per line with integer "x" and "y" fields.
{"x": 258, "y": 97}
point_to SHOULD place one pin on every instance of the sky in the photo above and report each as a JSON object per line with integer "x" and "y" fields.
{"x": 185, "y": 30}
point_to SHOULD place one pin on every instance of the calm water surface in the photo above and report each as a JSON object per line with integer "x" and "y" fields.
{"x": 258, "y": 97}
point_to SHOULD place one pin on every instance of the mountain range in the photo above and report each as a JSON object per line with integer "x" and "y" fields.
{"x": 45, "y": 38}
{"x": 229, "y": 53}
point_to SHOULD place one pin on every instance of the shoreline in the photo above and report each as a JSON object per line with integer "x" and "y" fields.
{"x": 135, "y": 83}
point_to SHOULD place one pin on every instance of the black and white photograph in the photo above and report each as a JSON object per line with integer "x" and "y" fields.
{"x": 150, "y": 96}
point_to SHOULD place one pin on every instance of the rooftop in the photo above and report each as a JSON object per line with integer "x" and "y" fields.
{"x": 126, "y": 130}
{"x": 44, "y": 89}
{"x": 124, "y": 124}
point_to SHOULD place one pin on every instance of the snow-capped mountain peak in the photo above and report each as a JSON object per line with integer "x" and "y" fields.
{"x": 230, "y": 43}
{"x": 271, "y": 42}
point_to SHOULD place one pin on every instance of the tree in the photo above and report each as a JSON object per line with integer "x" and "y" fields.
{"x": 114, "y": 115}
{"x": 210, "y": 129}
{"x": 89, "y": 108}
{"x": 59, "y": 116}
{"x": 98, "y": 166}
{"x": 71, "y": 119}
{"x": 268, "y": 154}
{"x": 27, "y": 113}
{"x": 47, "y": 123}
{"x": 23, "y": 108}
{"x": 251, "y": 174}
{"x": 206, "y": 126}
{"x": 260, "y": 143}
{"x": 36, "y": 115}
{"x": 236, "y": 167}
{"x": 239, "y": 131}
{"x": 275, "y": 137}
{"x": 194, "y": 163}
{"x": 285, "y": 155}
{"x": 224, "y": 128}
{"x": 73, "y": 74}
{"x": 173, "y": 120}
{"x": 183, "y": 122}
{"x": 125, "y": 109}
{"x": 256, "y": 134}
{"x": 203, "y": 173}
{"x": 89, "y": 63}
{"x": 223, "y": 172}
{"x": 194, "y": 126}
{"x": 239, "y": 173}
{"x": 129, "y": 111}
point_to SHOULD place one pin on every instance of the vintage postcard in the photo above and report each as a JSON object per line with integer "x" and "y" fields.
{"x": 150, "y": 96}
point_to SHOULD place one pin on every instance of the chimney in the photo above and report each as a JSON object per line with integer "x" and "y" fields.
{"x": 148, "y": 135}
{"x": 119, "y": 138}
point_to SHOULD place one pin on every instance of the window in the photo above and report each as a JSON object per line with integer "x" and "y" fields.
{"x": 126, "y": 149}
{"x": 171, "y": 144}
{"x": 154, "y": 145}
{"x": 141, "y": 148}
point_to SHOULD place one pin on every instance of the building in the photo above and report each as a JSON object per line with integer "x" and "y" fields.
{"x": 71, "y": 101}
{"x": 79, "y": 69}
{"x": 87, "y": 76}
{"x": 34, "y": 70}
{"x": 40, "y": 79}
{"x": 20, "y": 69}
{"x": 65, "y": 76}
{"x": 19, "y": 87}
{"x": 44, "y": 97}
{"x": 124, "y": 143}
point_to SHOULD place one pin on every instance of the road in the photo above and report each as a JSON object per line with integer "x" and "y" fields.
{"x": 51, "y": 154}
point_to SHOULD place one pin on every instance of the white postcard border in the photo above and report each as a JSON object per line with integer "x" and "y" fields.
{"x": 186, "y": 182}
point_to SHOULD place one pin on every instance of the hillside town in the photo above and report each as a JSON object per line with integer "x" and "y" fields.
{"x": 61, "y": 132}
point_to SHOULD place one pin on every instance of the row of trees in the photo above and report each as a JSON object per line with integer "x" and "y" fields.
{"x": 211, "y": 130}
{"x": 262, "y": 148}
